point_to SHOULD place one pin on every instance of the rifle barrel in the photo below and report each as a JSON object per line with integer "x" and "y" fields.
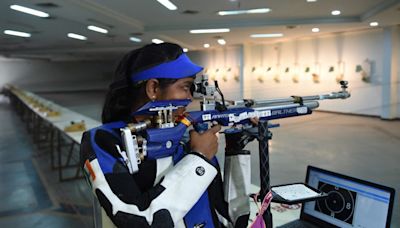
{"x": 309, "y": 104}
{"x": 291, "y": 100}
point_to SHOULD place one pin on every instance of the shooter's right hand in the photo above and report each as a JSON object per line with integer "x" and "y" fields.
{"x": 205, "y": 143}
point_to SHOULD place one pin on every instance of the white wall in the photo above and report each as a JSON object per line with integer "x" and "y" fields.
{"x": 223, "y": 65}
{"x": 42, "y": 75}
{"x": 342, "y": 51}
{"x": 350, "y": 49}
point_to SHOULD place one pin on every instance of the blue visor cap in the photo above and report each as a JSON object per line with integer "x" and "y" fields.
{"x": 181, "y": 67}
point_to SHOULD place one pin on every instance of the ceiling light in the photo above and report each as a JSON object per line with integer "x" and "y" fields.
{"x": 206, "y": 45}
{"x": 76, "y": 36}
{"x": 185, "y": 50}
{"x": 17, "y": 33}
{"x": 157, "y": 41}
{"x": 135, "y": 39}
{"x": 169, "y": 5}
{"x": 271, "y": 35}
{"x": 311, "y": 0}
{"x": 97, "y": 29}
{"x": 336, "y": 12}
{"x": 237, "y": 12}
{"x": 29, "y": 11}
{"x": 373, "y": 24}
{"x": 221, "y": 41}
{"x": 221, "y": 30}
{"x": 315, "y": 29}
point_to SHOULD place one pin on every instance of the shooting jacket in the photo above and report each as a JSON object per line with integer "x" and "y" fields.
{"x": 164, "y": 193}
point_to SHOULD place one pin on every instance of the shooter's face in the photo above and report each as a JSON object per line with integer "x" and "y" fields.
{"x": 181, "y": 89}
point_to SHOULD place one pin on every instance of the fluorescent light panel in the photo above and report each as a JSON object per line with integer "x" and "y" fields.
{"x": 157, "y": 41}
{"x": 315, "y": 29}
{"x": 336, "y": 12}
{"x": 167, "y": 4}
{"x": 76, "y": 36}
{"x": 206, "y": 45}
{"x": 220, "y": 30}
{"x": 221, "y": 41}
{"x": 373, "y": 24}
{"x": 135, "y": 39}
{"x": 27, "y": 10}
{"x": 17, "y": 33}
{"x": 185, "y": 50}
{"x": 270, "y": 35}
{"x": 97, "y": 29}
{"x": 237, "y": 12}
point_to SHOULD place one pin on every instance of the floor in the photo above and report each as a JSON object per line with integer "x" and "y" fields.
{"x": 362, "y": 147}
{"x": 31, "y": 194}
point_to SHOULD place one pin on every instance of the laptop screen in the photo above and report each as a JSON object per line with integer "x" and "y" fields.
{"x": 350, "y": 203}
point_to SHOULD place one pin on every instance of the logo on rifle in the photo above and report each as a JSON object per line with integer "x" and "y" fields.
{"x": 302, "y": 110}
{"x": 206, "y": 117}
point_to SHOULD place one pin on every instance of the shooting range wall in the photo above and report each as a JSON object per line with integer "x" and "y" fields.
{"x": 48, "y": 76}
{"x": 307, "y": 66}
{"x": 224, "y": 65}
{"x": 368, "y": 59}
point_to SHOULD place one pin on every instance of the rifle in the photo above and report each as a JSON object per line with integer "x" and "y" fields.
{"x": 162, "y": 137}
{"x": 151, "y": 141}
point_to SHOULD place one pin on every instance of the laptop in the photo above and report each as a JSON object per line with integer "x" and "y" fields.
{"x": 351, "y": 202}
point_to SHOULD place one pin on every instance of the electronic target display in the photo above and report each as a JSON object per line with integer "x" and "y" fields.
{"x": 339, "y": 204}
{"x": 351, "y": 202}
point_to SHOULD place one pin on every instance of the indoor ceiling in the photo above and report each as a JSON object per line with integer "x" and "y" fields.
{"x": 148, "y": 19}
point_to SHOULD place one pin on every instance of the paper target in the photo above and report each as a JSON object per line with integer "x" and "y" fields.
{"x": 339, "y": 204}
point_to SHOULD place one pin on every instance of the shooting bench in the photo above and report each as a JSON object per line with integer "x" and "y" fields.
{"x": 54, "y": 127}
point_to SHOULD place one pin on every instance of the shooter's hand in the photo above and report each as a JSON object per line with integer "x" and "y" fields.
{"x": 254, "y": 121}
{"x": 205, "y": 143}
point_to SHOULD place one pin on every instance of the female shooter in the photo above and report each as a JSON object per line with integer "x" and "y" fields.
{"x": 183, "y": 190}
